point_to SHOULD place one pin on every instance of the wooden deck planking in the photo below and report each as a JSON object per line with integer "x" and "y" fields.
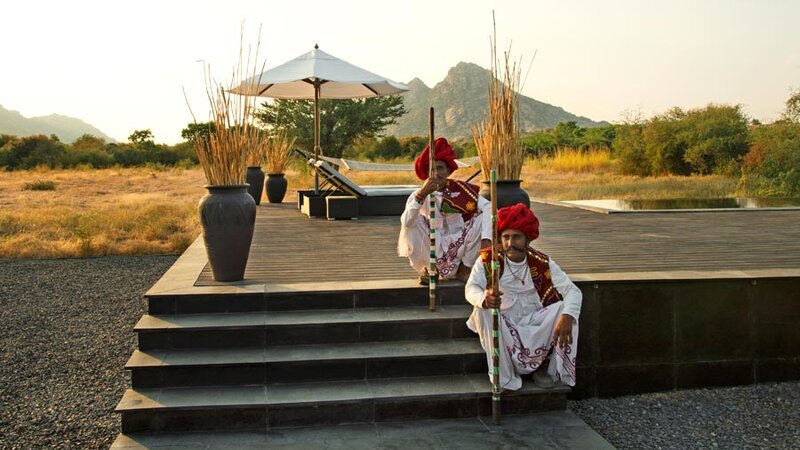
{"x": 290, "y": 247}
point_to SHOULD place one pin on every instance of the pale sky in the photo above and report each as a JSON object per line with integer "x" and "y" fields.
{"x": 120, "y": 66}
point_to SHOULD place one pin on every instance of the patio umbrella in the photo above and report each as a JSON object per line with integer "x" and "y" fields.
{"x": 317, "y": 75}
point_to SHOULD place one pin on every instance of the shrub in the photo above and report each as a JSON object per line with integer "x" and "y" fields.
{"x": 88, "y": 141}
{"x": 665, "y": 144}
{"x": 30, "y": 151}
{"x": 388, "y": 148}
{"x": 413, "y": 145}
{"x": 89, "y": 156}
{"x": 40, "y": 185}
{"x": 629, "y": 149}
{"x": 715, "y": 136}
{"x": 770, "y": 168}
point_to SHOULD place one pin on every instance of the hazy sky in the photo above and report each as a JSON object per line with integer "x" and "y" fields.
{"x": 121, "y": 65}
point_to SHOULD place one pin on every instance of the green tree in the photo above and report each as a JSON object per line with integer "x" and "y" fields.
{"x": 389, "y": 148}
{"x": 31, "y": 151}
{"x": 665, "y": 145}
{"x": 716, "y": 138}
{"x": 341, "y": 121}
{"x": 4, "y": 138}
{"x": 88, "y": 141}
{"x": 599, "y": 137}
{"x": 772, "y": 165}
{"x": 628, "y": 147}
{"x": 539, "y": 143}
{"x": 204, "y": 129}
{"x": 413, "y": 145}
{"x": 792, "y": 111}
{"x": 142, "y": 138}
{"x": 568, "y": 134}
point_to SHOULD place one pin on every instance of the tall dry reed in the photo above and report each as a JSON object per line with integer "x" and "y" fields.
{"x": 278, "y": 151}
{"x": 223, "y": 154}
{"x": 497, "y": 137}
{"x": 257, "y": 154}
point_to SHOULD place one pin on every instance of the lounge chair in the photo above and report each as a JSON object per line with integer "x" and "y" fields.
{"x": 340, "y": 197}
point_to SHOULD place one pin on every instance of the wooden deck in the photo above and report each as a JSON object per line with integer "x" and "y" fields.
{"x": 290, "y": 247}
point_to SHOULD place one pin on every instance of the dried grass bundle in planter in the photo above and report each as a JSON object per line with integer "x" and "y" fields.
{"x": 256, "y": 155}
{"x": 224, "y": 153}
{"x": 278, "y": 152}
{"x": 497, "y": 137}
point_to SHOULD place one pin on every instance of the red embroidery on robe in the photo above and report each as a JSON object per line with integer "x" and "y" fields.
{"x": 461, "y": 197}
{"x": 539, "y": 265}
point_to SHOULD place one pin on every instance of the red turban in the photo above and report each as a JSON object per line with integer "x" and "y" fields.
{"x": 518, "y": 217}
{"x": 444, "y": 152}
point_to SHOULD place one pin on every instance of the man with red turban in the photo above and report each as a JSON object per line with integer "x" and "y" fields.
{"x": 463, "y": 218}
{"x": 539, "y": 306}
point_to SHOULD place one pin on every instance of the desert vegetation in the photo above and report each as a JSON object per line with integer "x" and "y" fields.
{"x": 130, "y": 211}
{"x": 92, "y": 198}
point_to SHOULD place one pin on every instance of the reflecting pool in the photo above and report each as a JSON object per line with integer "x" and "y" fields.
{"x": 689, "y": 204}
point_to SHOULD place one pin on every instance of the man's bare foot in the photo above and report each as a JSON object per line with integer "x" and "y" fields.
{"x": 425, "y": 278}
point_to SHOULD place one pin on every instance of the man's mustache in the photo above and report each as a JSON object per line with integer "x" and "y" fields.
{"x": 519, "y": 249}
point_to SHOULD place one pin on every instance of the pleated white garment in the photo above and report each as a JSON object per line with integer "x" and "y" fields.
{"x": 526, "y": 328}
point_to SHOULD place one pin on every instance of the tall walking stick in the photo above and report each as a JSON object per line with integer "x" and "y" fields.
{"x": 432, "y": 270}
{"x": 496, "y": 390}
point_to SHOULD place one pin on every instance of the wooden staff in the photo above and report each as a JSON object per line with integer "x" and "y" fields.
{"x": 495, "y": 284}
{"x": 432, "y": 270}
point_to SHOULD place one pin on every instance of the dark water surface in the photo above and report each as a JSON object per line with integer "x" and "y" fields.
{"x": 690, "y": 203}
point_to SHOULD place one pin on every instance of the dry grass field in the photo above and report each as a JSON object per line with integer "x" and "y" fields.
{"x": 98, "y": 212}
{"x": 149, "y": 211}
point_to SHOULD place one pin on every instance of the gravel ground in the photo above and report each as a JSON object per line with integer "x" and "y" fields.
{"x": 65, "y": 334}
{"x": 67, "y": 330}
{"x": 754, "y": 417}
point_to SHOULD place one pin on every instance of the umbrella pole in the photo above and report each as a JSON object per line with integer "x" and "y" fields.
{"x": 317, "y": 149}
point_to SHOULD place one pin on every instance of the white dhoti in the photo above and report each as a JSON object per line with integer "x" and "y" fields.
{"x": 526, "y": 340}
{"x": 457, "y": 241}
{"x": 451, "y": 249}
{"x": 526, "y": 328}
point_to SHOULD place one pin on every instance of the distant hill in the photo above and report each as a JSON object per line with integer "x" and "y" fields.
{"x": 66, "y": 128}
{"x": 459, "y": 101}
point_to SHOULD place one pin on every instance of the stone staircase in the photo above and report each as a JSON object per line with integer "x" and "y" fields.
{"x": 265, "y": 361}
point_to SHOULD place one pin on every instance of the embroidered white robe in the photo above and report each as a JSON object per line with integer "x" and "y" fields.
{"x": 526, "y": 328}
{"x": 456, "y": 241}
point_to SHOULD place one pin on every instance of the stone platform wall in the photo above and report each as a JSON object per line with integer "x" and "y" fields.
{"x": 646, "y": 336}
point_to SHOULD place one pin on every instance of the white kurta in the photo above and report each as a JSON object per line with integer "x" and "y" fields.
{"x": 526, "y": 328}
{"x": 456, "y": 241}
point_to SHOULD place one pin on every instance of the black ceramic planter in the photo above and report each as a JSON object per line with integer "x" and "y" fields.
{"x": 228, "y": 216}
{"x": 509, "y": 192}
{"x": 276, "y": 187}
{"x": 255, "y": 178}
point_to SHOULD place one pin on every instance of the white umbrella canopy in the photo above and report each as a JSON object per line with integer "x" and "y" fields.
{"x": 337, "y": 79}
{"x": 316, "y": 75}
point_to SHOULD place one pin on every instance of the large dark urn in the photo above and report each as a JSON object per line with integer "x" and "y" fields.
{"x": 255, "y": 178}
{"x": 509, "y": 192}
{"x": 276, "y": 187}
{"x": 228, "y": 216}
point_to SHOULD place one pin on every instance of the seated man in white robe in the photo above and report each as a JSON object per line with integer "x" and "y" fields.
{"x": 463, "y": 222}
{"x": 539, "y": 306}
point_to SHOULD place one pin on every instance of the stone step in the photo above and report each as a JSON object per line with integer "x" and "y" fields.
{"x": 296, "y": 404}
{"x": 387, "y": 295}
{"x": 297, "y": 363}
{"x": 260, "y": 329}
{"x": 555, "y": 430}
{"x": 283, "y": 364}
